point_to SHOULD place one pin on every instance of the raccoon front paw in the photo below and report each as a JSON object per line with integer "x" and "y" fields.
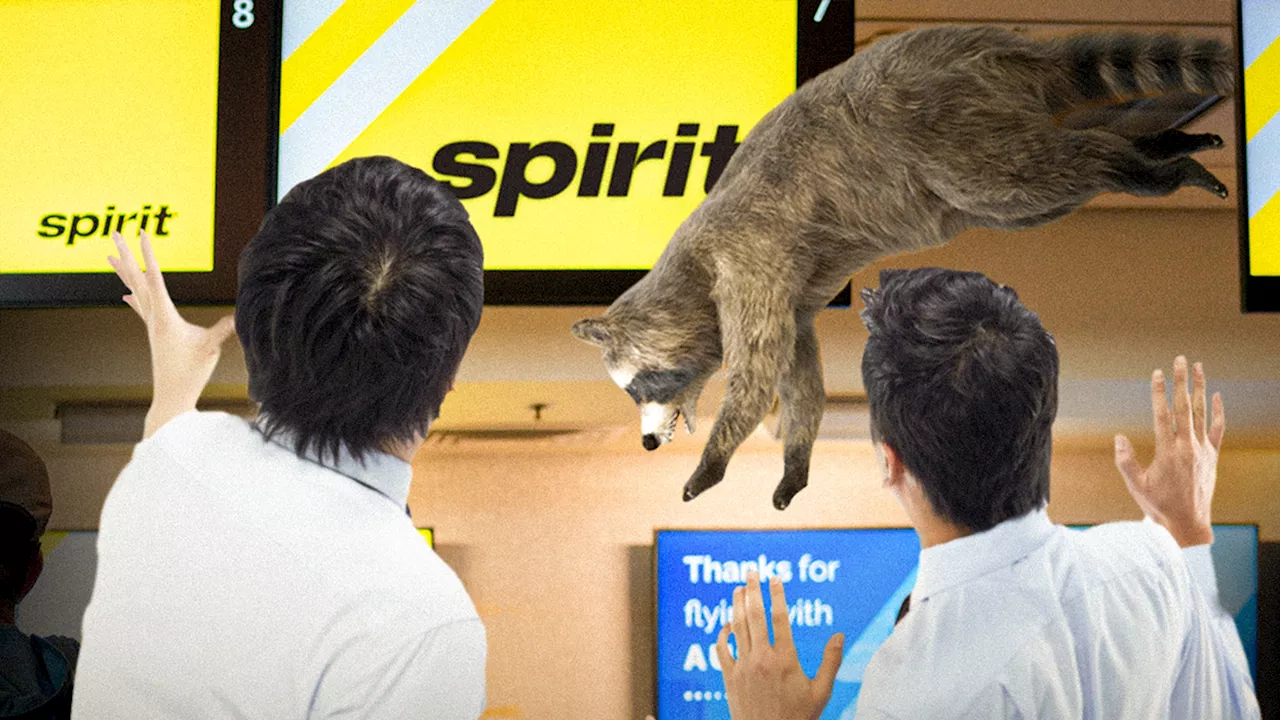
{"x": 707, "y": 475}
{"x": 792, "y": 483}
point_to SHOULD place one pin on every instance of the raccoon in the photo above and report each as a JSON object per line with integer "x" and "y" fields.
{"x": 897, "y": 149}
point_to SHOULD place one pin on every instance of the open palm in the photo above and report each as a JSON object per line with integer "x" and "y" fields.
{"x": 183, "y": 355}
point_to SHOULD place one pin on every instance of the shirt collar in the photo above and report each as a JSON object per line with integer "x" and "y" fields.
{"x": 963, "y": 559}
{"x": 381, "y": 472}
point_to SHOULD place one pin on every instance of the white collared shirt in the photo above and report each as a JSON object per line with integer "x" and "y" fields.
{"x": 237, "y": 580}
{"x": 1033, "y": 620}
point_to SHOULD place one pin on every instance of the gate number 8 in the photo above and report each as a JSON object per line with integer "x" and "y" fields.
{"x": 242, "y": 18}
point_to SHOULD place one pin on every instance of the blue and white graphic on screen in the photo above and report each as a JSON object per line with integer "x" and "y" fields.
{"x": 850, "y": 581}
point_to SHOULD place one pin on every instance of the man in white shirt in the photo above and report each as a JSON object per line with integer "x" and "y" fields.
{"x": 270, "y": 569}
{"x": 1011, "y": 615}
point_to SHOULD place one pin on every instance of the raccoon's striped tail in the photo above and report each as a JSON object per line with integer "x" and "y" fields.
{"x": 1113, "y": 67}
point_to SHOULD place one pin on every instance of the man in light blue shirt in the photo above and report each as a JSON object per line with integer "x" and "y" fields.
{"x": 269, "y": 569}
{"x": 1011, "y": 615}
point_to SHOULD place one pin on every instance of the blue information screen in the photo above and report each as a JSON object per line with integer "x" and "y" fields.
{"x": 850, "y": 581}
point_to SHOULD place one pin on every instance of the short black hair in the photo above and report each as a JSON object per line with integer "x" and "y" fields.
{"x": 357, "y": 299}
{"x": 962, "y": 381}
{"x": 19, "y": 545}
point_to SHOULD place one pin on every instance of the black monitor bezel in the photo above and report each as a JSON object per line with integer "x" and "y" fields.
{"x": 248, "y": 83}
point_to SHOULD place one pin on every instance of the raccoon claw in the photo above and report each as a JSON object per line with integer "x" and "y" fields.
{"x": 704, "y": 477}
{"x": 787, "y": 490}
{"x": 1220, "y": 190}
{"x": 1215, "y": 142}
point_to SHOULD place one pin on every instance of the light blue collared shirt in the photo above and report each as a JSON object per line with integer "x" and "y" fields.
{"x": 236, "y": 579}
{"x": 1032, "y": 620}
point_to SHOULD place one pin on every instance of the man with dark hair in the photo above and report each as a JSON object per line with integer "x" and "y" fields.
{"x": 1013, "y": 616}
{"x": 36, "y": 673}
{"x": 270, "y": 569}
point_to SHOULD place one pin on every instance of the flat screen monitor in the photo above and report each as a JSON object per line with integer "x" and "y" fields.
{"x": 850, "y": 581}
{"x": 838, "y": 580}
{"x": 131, "y": 115}
{"x": 1258, "y": 130}
{"x": 578, "y": 134}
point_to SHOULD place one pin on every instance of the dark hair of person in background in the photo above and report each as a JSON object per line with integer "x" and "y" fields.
{"x": 962, "y": 381}
{"x": 19, "y": 547}
{"x": 357, "y": 299}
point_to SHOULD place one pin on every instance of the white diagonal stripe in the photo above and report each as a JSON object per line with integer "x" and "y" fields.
{"x": 301, "y": 19}
{"x": 1262, "y": 154}
{"x": 372, "y": 83}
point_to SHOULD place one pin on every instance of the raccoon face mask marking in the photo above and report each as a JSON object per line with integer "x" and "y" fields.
{"x": 661, "y": 396}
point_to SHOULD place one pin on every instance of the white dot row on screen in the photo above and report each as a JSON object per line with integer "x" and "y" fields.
{"x": 700, "y": 696}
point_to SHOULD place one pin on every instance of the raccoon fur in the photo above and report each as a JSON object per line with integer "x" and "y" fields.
{"x": 899, "y": 148}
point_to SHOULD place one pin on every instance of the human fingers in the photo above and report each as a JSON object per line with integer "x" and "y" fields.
{"x": 132, "y": 302}
{"x": 1219, "y": 424}
{"x": 1160, "y": 410}
{"x": 1197, "y": 401}
{"x": 757, "y": 624}
{"x": 832, "y": 656}
{"x": 782, "y": 638}
{"x": 1127, "y": 462}
{"x": 155, "y": 278}
{"x": 1181, "y": 400}
{"x": 727, "y": 662}
{"x": 126, "y": 266}
{"x": 740, "y": 620}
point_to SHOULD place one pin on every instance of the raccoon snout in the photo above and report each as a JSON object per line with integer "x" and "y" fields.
{"x": 651, "y": 442}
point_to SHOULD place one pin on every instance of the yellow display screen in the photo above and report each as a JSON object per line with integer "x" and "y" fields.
{"x": 108, "y": 115}
{"x": 578, "y": 133}
{"x": 1260, "y": 130}
{"x": 1261, "y": 30}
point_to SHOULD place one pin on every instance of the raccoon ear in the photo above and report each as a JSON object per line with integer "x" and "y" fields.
{"x": 592, "y": 330}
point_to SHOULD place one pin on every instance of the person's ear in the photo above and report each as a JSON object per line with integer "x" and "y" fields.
{"x": 892, "y": 471}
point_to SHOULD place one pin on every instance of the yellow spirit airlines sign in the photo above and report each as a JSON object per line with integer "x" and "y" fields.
{"x": 579, "y": 133}
{"x": 1261, "y": 48}
{"x": 108, "y": 110}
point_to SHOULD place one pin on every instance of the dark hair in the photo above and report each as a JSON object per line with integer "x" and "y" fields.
{"x": 357, "y": 299}
{"x": 18, "y": 547}
{"x": 962, "y": 380}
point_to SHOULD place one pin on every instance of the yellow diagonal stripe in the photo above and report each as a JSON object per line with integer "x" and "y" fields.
{"x": 428, "y": 535}
{"x": 1262, "y": 78}
{"x": 1264, "y": 239}
{"x": 330, "y": 50}
{"x": 50, "y": 540}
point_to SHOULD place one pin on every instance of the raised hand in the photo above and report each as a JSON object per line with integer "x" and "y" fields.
{"x": 766, "y": 682}
{"x": 1176, "y": 490}
{"x": 183, "y": 355}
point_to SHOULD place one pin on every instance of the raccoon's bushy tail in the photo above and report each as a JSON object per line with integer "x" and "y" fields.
{"x": 1108, "y": 67}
